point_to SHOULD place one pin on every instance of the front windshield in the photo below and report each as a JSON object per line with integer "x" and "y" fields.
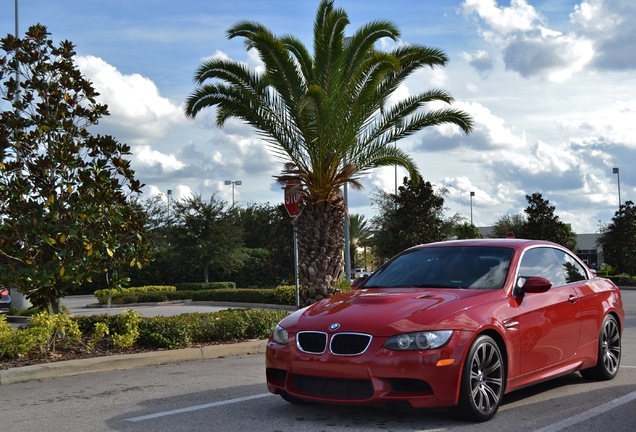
{"x": 474, "y": 267}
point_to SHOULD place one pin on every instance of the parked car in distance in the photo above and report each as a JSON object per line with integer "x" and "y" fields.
{"x": 5, "y": 300}
{"x": 453, "y": 324}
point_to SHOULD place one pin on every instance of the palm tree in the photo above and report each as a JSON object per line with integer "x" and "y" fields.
{"x": 326, "y": 117}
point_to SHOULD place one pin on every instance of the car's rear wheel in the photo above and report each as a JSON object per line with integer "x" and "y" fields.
{"x": 609, "y": 352}
{"x": 482, "y": 382}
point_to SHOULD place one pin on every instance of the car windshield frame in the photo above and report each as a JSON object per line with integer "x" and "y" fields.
{"x": 462, "y": 267}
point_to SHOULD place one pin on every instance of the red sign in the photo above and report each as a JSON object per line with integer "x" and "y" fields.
{"x": 293, "y": 197}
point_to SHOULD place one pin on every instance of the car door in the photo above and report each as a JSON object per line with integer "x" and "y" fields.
{"x": 549, "y": 323}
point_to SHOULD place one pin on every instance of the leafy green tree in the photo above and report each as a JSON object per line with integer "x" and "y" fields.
{"x": 206, "y": 236}
{"x": 618, "y": 240}
{"x": 360, "y": 234}
{"x": 165, "y": 263}
{"x": 467, "y": 231}
{"x": 262, "y": 241}
{"x": 257, "y": 222}
{"x": 65, "y": 216}
{"x": 543, "y": 224}
{"x": 326, "y": 115}
{"x": 281, "y": 249}
{"x": 508, "y": 223}
{"x": 414, "y": 216}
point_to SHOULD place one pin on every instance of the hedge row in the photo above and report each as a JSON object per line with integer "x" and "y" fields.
{"x": 202, "y": 286}
{"x": 129, "y": 330}
{"x": 182, "y": 330}
{"x": 102, "y": 295}
{"x": 283, "y": 295}
{"x": 623, "y": 280}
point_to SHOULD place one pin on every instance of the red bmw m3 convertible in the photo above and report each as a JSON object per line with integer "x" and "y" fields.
{"x": 452, "y": 324}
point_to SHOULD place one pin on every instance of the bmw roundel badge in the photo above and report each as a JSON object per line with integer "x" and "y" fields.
{"x": 334, "y": 326}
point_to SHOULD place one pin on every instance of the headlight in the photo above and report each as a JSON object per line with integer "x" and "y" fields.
{"x": 419, "y": 341}
{"x": 280, "y": 335}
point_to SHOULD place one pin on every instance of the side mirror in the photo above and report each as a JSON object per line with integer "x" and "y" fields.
{"x": 531, "y": 284}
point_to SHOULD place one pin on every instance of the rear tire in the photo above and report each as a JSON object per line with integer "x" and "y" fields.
{"x": 609, "y": 352}
{"x": 483, "y": 381}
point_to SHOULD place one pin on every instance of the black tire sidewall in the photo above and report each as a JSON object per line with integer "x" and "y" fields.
{"x": 466, "y": 408}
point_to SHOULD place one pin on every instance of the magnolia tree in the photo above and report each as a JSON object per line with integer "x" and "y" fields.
{"x": 65, "y": 213}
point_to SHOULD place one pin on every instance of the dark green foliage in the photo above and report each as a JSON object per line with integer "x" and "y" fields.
{"x": 199, "y": 286}
{"x": 186, "y": 329}
{"x": 155, "y": 296}
{"x": 255, "y": 271}
{"x": 414, "y": 216}
{"x": 248, "y": 295}
{"x": 508, "y": 223}
{"x": 285, "y": 295}
{"x": 164, "y": 332}
{"x": 467, "y": 231}
{"x": 232, "y": 324}
{"x": 64, "y": 193}
{"x": 618, "y": 240}
{"x": 116, "y": 323}
{"x": 206, "y": 236}
{"x": 543, "y": 224}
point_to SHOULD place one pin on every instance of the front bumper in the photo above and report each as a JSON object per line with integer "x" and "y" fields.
{"x": 427, "y": 378}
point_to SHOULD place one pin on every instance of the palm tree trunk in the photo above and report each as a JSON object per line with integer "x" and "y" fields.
{"x": 320, "y": 242}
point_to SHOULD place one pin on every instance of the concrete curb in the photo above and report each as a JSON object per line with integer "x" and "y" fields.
{"x": 127, "y": 361}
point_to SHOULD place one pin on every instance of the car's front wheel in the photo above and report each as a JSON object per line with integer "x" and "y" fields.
{"x": 609, "y": 352}
{"x": 482, "y": 382}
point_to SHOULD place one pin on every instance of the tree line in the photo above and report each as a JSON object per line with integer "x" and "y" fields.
{"x": 70, "y": 215}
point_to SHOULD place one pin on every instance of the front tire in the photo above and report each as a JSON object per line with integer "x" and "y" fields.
{"x": 609, "y": 352}
{"x": 482, "y": 382}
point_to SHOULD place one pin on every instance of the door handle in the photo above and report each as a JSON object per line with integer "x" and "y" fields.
{"x": 573, "y": 298}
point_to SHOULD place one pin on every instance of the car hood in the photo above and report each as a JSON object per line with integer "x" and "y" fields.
{"x": 387, "y": 311}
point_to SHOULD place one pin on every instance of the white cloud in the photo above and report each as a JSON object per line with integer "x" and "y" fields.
{"x": 518, "y": 17}
{"x": 144, "y": 156}
{"x": 138, "y": 113}
{"x": 527, "y": 45}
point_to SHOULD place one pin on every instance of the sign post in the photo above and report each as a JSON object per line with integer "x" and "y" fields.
{"x": 293, "y": 201}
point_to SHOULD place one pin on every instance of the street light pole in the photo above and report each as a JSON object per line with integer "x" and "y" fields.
{"x": 618, "y": 176}
{"x": 233, "y": 182}
{"x": 472, "y": 194}
{"x": 169, "y": 197}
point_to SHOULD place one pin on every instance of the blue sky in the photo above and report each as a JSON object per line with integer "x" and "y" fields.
{"x": 550, "y": 84}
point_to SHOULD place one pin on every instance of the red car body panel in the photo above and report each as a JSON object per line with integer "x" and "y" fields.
{"x": 541, "y": 335}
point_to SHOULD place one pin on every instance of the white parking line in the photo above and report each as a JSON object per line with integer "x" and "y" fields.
{"x": 555, "y": 427}
{"x": 198, "y": 407}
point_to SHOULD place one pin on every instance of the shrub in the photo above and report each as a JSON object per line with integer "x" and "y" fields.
{"x": 246, "y": 295}
{"x": 129, "y": 332}
{"x": 285, "y": 295}
{"x": 164, "y": 332}
{"x": 342, "y": 286}
{"x": 130, "y": 328}
{"x": 129, "y": 293}
{"x": 203, "y": 286}
{"x": 44, "y": 333}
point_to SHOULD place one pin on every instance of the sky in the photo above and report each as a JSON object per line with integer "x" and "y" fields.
{"x": 550, "y": 85}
